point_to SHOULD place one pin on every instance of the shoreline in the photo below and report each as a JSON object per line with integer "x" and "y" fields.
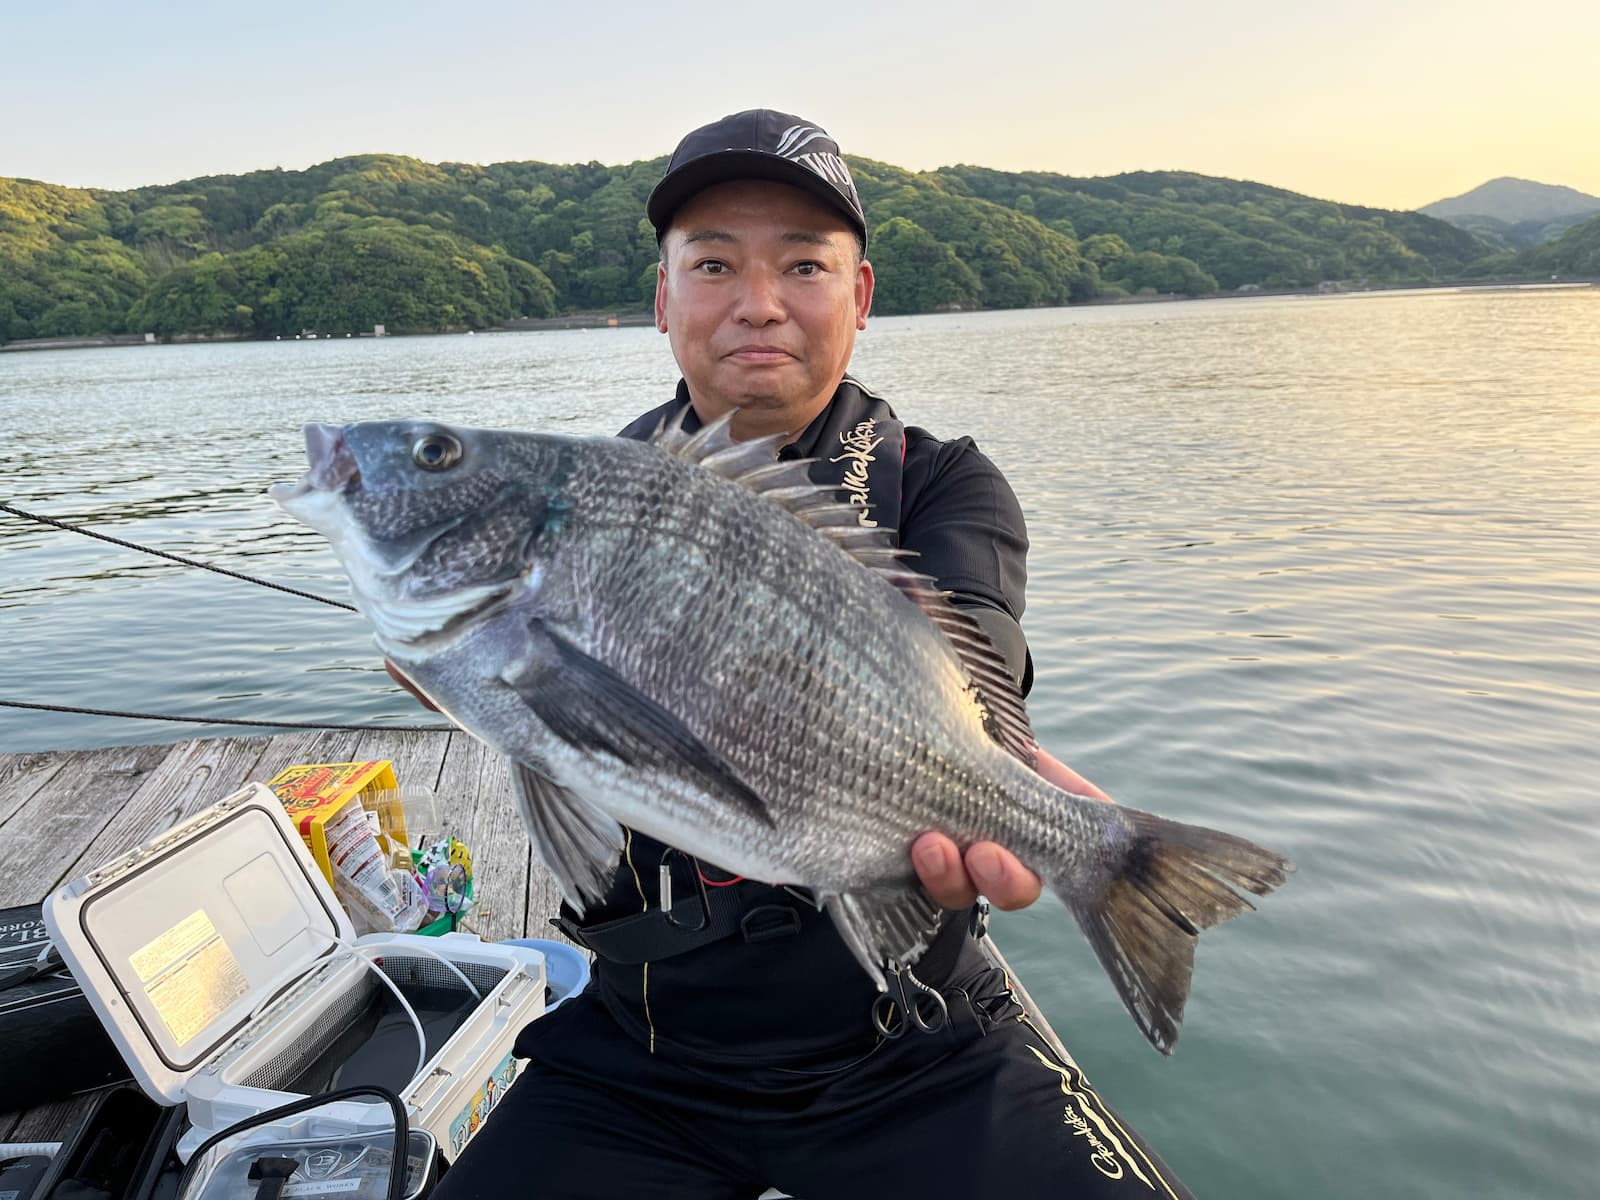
{"x": 636, "y": 319}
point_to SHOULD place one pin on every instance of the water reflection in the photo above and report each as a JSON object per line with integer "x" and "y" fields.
{"x": 1323, "y": 571}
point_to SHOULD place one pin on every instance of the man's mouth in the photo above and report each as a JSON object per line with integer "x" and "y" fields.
{"x": 757, "y": 354}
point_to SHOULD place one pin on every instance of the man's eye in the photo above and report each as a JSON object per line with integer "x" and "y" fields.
{"x": 809, "y": 267}
{"x": 712, "y": 266}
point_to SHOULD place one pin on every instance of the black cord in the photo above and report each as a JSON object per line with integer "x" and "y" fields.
{"x": 138, "y": 716}
{"x": 190, "y": 562}
{"x": 177, "y": 558}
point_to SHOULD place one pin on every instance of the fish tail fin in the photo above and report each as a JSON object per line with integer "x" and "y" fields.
{"x": 1172, "y": 881}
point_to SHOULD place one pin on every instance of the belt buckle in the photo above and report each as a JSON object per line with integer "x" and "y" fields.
{"x": 754, "y": 925}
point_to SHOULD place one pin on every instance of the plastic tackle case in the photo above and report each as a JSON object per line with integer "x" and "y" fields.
{"x": 227, "y": 975}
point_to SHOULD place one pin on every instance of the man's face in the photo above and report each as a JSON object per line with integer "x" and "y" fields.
{"x": 761, "y": 295}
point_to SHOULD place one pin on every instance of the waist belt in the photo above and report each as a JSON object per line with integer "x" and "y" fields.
{"x": 651, "y": 935}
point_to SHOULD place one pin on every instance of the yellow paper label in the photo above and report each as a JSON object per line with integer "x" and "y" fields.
{"x": 190, "y": 975}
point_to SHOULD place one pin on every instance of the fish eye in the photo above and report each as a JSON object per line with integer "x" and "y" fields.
{"x": 436, "y": 452}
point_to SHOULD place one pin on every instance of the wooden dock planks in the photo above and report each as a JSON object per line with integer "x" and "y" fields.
{"x": 62, "y": 814}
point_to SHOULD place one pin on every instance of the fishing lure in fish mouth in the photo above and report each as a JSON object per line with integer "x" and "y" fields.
{"x": 692, "y": 639}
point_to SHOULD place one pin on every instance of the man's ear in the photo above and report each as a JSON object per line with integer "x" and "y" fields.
{"x": 864, "y": 284}
{"x": 661, "y": 297}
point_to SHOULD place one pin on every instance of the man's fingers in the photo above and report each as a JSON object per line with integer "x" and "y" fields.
{"x": 938, "y": 864}
{"x": 1064, "y": 777}
{"x": 954, "y": 881}
{"x": 1001, "y": 877}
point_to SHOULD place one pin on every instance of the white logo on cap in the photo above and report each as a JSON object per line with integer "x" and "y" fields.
{"x": 822, "y": 162}
{"x": 795, "y": 137}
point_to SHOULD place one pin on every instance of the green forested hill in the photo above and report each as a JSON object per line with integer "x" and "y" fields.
{"x": 386, "y": 239}
{"x": 1239, "y": 233}
{"x": 1576, "y": 252}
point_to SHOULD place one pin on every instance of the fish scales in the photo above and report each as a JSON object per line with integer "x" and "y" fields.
{"x": 738, "y": 555}
{"x": 671, "y": 638}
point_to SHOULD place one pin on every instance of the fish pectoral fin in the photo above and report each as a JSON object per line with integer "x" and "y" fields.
{"x": 892, "y": 925}
{"x": 578, "y": 842}
{"x": 591, "y": 708}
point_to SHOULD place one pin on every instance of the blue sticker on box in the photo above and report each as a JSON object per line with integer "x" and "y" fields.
{"x": 476, "y": 1111}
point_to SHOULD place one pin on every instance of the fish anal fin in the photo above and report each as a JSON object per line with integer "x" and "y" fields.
{"x": 884, "y": 925}
{"x": 573, "y": 838}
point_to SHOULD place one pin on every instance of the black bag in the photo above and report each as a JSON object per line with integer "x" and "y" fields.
{"x": 53, "y": 1044}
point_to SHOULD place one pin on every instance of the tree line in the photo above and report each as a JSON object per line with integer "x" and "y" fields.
{"x": 385, "y": 239}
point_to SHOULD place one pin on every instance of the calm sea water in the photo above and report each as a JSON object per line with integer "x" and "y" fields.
{"x": 1321, "y": 571}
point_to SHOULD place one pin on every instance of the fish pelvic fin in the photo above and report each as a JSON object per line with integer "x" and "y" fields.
{"x": 574, "y": 839}
{"x": 754, "y": 465}
{"x": 1173, "y": 881}
{"x": 884, "y": 926}
{"x": 587, "y": 705}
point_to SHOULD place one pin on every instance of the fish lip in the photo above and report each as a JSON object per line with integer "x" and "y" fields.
{"x": 283, "y": 492}
{"x": 333, "y": 465}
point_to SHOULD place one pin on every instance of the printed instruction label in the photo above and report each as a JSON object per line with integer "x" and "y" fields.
{"x": 190, "y": 975}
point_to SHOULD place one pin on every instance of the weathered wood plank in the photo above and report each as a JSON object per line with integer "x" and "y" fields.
{"x": 544, "y": 901}
{"x": 309, "y": 746}
{"x": 417, "y": 757}
{"x": 46, "y": 835}
{"x": 474, "y": 798}
{"x": 193, "y": 776}
{"x": 21, "y": 776}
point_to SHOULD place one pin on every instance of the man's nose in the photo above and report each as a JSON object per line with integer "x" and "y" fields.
{"x": 761, "y": 300}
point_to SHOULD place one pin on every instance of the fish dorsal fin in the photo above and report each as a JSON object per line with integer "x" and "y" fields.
{"x": 755, "y": 465}
{"x": 1005, "y": 713}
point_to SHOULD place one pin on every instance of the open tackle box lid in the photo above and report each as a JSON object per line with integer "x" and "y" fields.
{"x": 178, "y": 943}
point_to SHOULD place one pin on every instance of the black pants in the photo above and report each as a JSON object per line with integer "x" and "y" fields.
{"x": 983, "y": 1108}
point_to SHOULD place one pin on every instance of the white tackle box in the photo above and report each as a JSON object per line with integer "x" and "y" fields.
{"x": 227, "y": 974}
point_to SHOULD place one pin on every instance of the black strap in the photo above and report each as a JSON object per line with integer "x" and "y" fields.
{"x": 649, "y": 936}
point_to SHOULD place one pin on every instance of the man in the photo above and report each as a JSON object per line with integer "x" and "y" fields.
{"x": 736, "y": 1044}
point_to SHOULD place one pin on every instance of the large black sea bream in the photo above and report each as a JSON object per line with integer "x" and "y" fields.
{"x": 692, "y": 639}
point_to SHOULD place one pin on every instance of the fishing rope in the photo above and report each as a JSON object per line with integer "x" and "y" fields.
{"x": 190, "y": 562}
{"x": 141, "y": 716}
{"x": 177, "y": 558}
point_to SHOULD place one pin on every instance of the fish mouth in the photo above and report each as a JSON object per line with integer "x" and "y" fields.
{"x": 333, "y": 465}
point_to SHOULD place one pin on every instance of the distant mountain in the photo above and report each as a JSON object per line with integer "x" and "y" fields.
{"x": 1575, "y": 254}
{"x": 1521, "y": 235}
{"x": 1514, "y": 201}
{"x": 385, "y": 239}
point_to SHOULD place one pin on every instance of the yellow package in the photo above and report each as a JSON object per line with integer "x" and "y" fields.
{"x": 315, "y": 794}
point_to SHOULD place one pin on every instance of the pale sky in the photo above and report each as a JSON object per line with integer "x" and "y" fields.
{"x": 1386, "y": 104}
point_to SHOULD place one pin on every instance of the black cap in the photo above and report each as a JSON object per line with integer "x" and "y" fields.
{"x": 758, "y": 144}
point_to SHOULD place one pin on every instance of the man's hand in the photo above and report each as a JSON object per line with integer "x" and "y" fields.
{"x": 954, "y": 880}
